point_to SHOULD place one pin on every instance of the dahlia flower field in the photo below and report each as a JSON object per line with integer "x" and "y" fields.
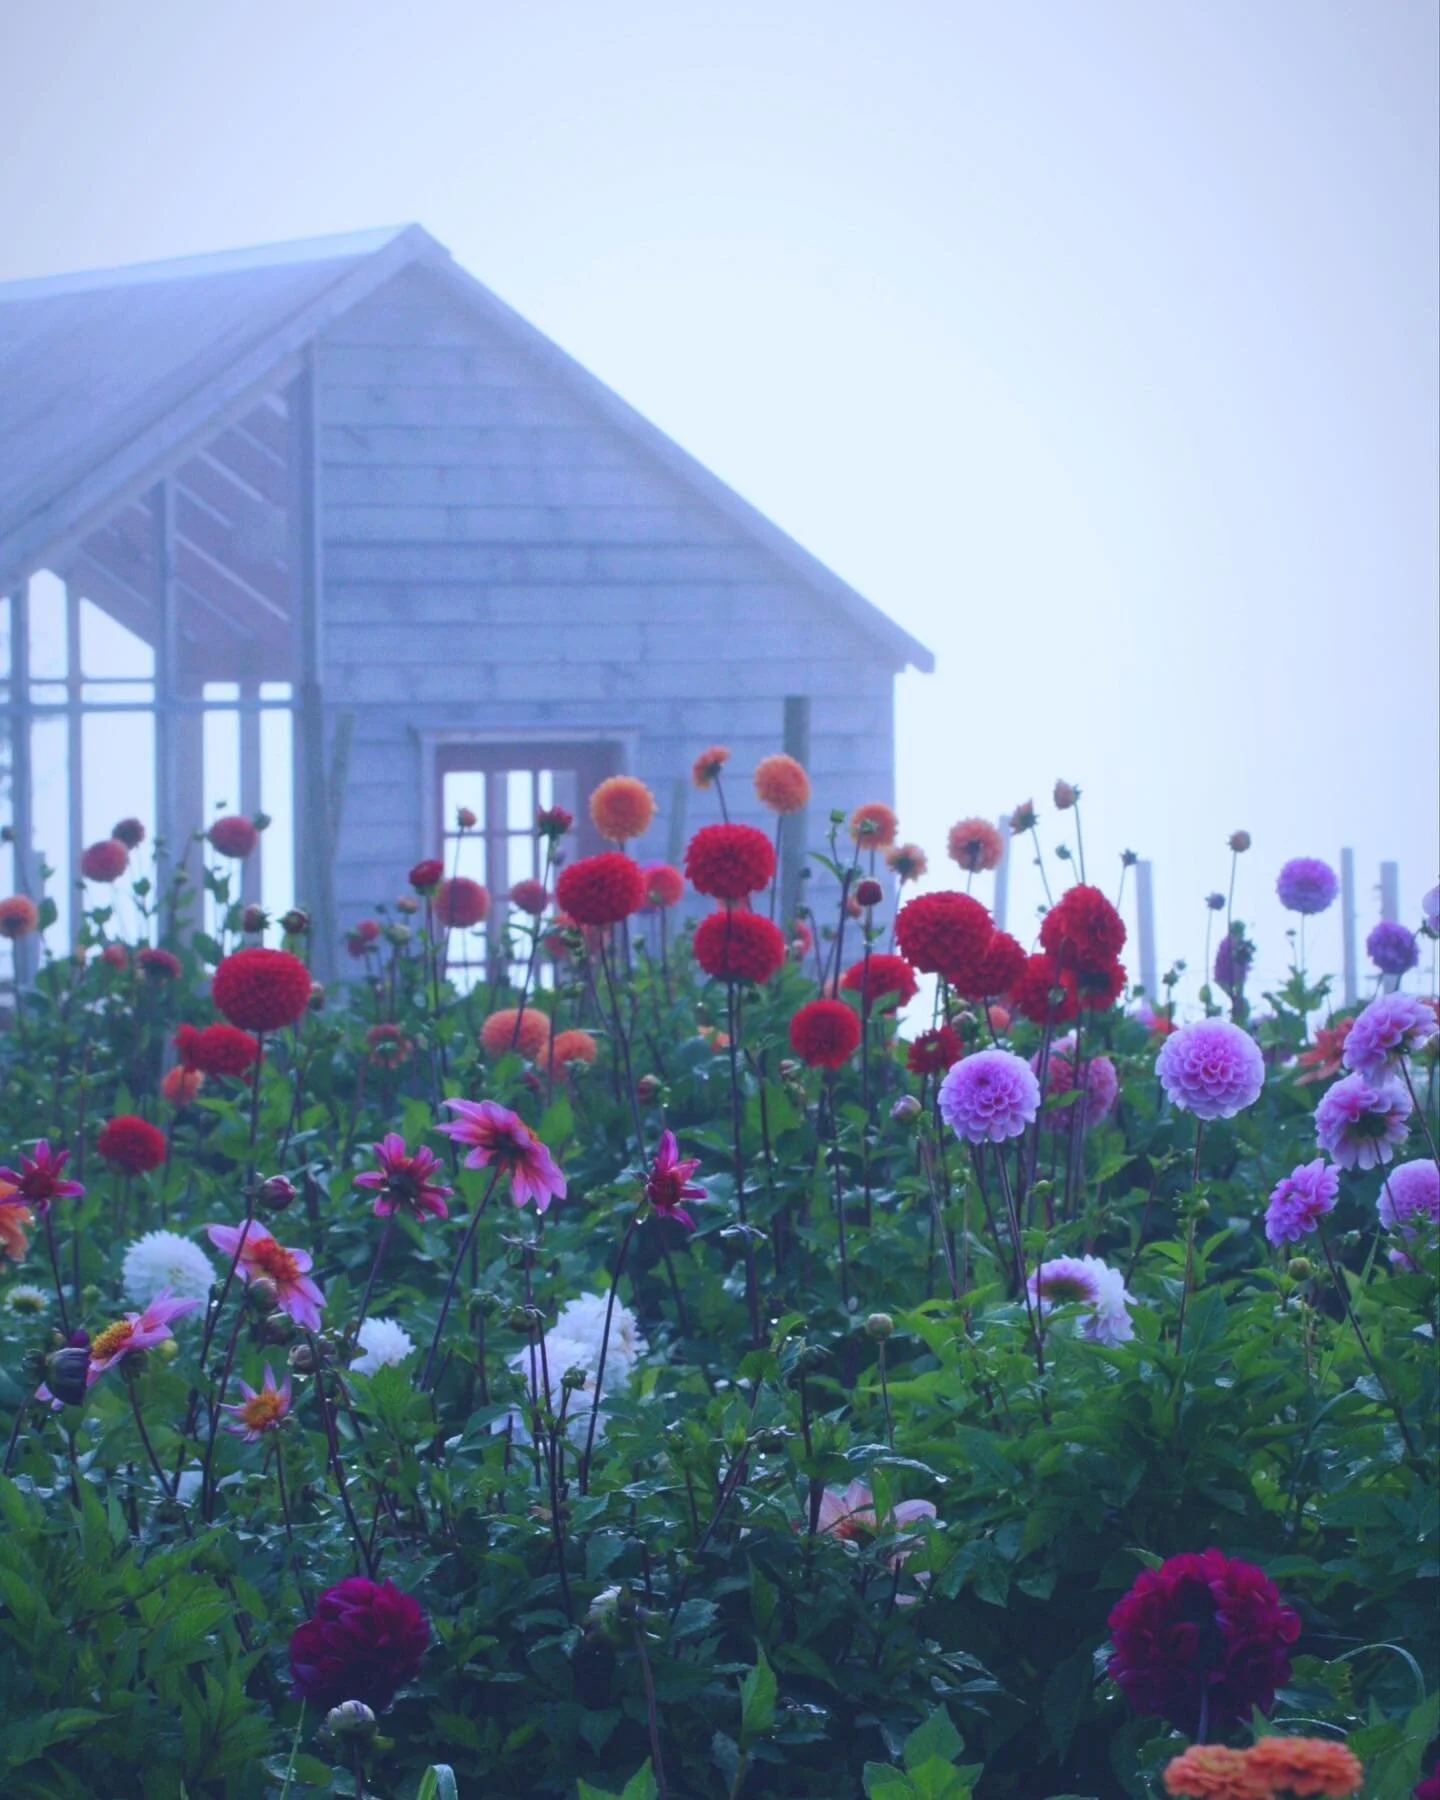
{"x": 724, "y": 1353}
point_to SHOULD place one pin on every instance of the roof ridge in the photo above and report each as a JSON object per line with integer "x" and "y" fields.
{"x": 330, "y": 247}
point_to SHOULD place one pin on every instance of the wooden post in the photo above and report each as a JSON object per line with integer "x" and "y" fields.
{"x": 22, "y": 793}
{"x": 314, "y": 859}
{"x": 1389, "y": 890}
{"x": 74, "y": 755}
{"x": 169, "y": 848}
{"x": 1145, "y": 910}
{"x": 1002, "y": 875}
{"x": 1348, "y": 978}
{"x": 794, "y": 827}
{"x": 251, "y": 868}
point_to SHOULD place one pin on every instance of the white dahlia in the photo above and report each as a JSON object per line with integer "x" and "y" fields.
{"x": 163, "y": 1261}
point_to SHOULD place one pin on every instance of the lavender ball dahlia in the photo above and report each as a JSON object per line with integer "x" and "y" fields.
{"x": 1307, "y": 885}
{"x": 1360, "y": 1124}
{"x": 1392, "y": 948}
{"x": 1300, "y": 1200}
{"x": 1211, "y": 1068}
{"x": 1391, "y": 1027}
{"x": 992, "y": 1096}
{"x": 1409, "y": 1198}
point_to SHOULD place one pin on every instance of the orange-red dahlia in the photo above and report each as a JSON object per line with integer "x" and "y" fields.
{"x": 976, "y": 845}
{"x": 105, "y": 861}
{"x": 882, "y": 978}
{"x": 530, "y": 896}
{"x": 943, "y": 934}
{"x": 874, "y": 825}
{"x": 426, "y": 874}
{"x": 729, "y": 862}
{"x": 622, "y": 808}
{"x": 601, "y": 890}
{"x": 907, "y": 862}
{"x": 781, "y": 783}
{"x": 499, "y": 1033}
{"x": 994, "y": 972}
{"x": 115, "y": 956}
{"x": 18, "y": 917}
{"x": 13, "y": 1220}
{"x": 132, "y": 1144}
{"x": 825, "y": 1033}
{"x": 705, "y": 770}
{"x": 234, "y": 835}
{"x": 461, "y": 902}
{"x": 1213, "y": 1772}
{"x": 1307, "y": 1766}
{"x": 933, "y": 1052}
{"x": 572, "y": 1046}
{"x": 1083, "y": 930}
{"x": 664, "y": 885}
{"x": 738, "y": 946}
{"x": 180, "y": 1085}
{"x": 261, "y": 990}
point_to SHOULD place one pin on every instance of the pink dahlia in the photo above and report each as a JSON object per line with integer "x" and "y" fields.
{"x": 1090, "y": 1282}
{"x": 1361, "y": 1123}
{"x": 498, "y": 1136}
{"x": 259, "y": 1409}
{"x": 668, "y": 1182}
{"x": 37, "y": 1181}
{"x": 1409, "y": 1197}
{"x": 136, "y": 1331}
{"x": 992, "y": 1096}
{"x": 1300, "y": 1201}
{"x": 405, "y": 1180}
{"x": 1102, "y": 1087}
{"x": 257, "y": 1253}
{"x": 1211, "y": 1068}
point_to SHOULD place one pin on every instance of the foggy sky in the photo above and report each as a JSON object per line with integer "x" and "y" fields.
{"x": 1095, "y": 342}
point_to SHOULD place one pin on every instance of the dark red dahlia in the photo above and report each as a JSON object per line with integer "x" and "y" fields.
{"x": 868, "y": 891}
{"x": 461, "y": 902}
{"x": 738, "y": 946}
{"x": 132, "y": 1144}
{"x": 933, "y": 1052}
{"x": 105, "y": 861}
{"x": 365, "y": 1641}
{"x": 880, "y": 975}
{"x": 1083, "y": 930}
{"x": 261, "y": 990}
{"x": 601, "y": 890}
{"x": 159, "y": 965}
{"x": 1095, "y": 990}
{"x": 553, "y": 822}
{"x": 1040, "y": 995}
{"x": 234, "y": 835}
{"x": 943, "y": 934}
{"x": 427, "y": 874}
{"x": 825, "y": 1033}
{"x": 1202, "y": 1628}
{"x": 730, "y": 862}
{"x": 996, "y": 971}
{"x": 129, "y": 832}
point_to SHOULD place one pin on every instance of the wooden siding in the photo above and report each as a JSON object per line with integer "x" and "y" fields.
{"x": 496, "y": 559}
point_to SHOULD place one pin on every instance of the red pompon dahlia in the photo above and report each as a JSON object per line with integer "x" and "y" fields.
{"x": 132, "y": 1144}
{"x": 1083, "y": 930}
{"x": 461, "y": 902}
{"x": 664, "y": 885}
{"x": 530, "y": 896}
{"x": 365, "y": 1641}
{"x": 601, "y": 890}
{"x": 428, "y": 873}
{"x": 1039, "y": 994}
{"x": 218, "y": 1049}
{"x": 996, "y": 971}
{"x": 363, "y": 937}
{"x": 933, "y": 1052}
{"x": 1095, "y": 990}
{"x": 943, "y": 934}
{"x": 825, "y": 1033}
{"x": 105, "y": 861}
{"x": 129, "y": 832}
{"x": 976, "y": 845}
{"x": 159, "y": 965}
{"x": 261, "y": 990}
{"x": 880, "y": 976}
{"x": 729, "y": 862}
{"x": 1202, "y": 1627}
{"x": 234, "y": 835}
{"x": 738, "y": 946}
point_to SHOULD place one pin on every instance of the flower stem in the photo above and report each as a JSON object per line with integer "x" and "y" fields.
{"x": 584, "y": 1472}
{"x": 1343, "y": 1292}
{"x": 1189, "y": 1243}
{"x": 55, "y": 1270}
{"x": 454, "y": 1277}
{"x": 374, "y": 1271}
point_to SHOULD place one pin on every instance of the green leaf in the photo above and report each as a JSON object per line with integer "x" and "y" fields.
{"x": 936, "y": 1737}
{"x": 438, "y": 1783}
{"x": 757, "y": 1700}
{"x": 641, "y": 1786}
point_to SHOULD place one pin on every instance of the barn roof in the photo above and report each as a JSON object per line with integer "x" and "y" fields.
{"x": 108, "y": 378}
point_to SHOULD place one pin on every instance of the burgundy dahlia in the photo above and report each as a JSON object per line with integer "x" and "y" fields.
{"x": 365, "y": 1641}
{"x": 1202, "y": 1639}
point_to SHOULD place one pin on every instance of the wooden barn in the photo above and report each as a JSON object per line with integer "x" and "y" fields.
{"x": 327, "y": 530}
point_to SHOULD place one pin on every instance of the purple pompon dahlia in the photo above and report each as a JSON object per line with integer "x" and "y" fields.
{"x": 1392, "y": 948}
{"x": 1085, "y": 1281}
{"x": 1233, "y": 960}
{"x": 1391, "y": 1027}
{"x": 1430, "y": 907}
{"x": 1360, "y": 1124}
{"x": 992, "y": 1096}
{"x": 1299, "y": 1201}
{"x": 1211, "y": 1068}
{"x": 1409, "y": 1197}
{"x": 1307, "y": 885}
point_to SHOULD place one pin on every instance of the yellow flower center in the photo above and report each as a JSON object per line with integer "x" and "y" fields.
{"x": 111, "y": 1340}
{"x": 263, "y": 1412}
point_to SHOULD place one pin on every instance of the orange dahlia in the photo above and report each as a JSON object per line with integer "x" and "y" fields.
{"x": 622, "y": 808}
{"x": 14, "y": 1217}
{"x": 874, "y": 825}
{"x": 1307, "y": 1766}
{"x": 18, "y": 916}
{"x": 705, "y": 770}
{"x": 1214, "y": 1772}
{"x": 781, "y": 783}
{"x": 572, "y": 1046}
{"x": 499, "y": 1033}
{"x": 976, "y": 845}
{"x": 907, "y": 862}
{"x": 180, "y": 1085}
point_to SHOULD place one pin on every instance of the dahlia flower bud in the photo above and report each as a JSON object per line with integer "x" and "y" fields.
{"x": 65, "y": 1374}
{"x": 906, "y": 1110}
{"x": 869, "y": 892}
{"x": 611, "y": 1612}
{"x": 879, "y": 1326}
{"x": 351, "y": 1720}
{"x": 316, "y": 1002}
{"x": 1299, "y": 1268}
{"x": 276, "y": 1193}
{"x": 263, "y": 1293}
{"x": 1216, "y": 902}
{"x": 305, "y": 1359}
{"x": 1023, "y": 818}
{"x": 1066, "y": 794}
{"x": 253, "y": 920}
{"x": 574, "y": 1379}
{"x": 790, "y": 1069}
{"x": 1239, "y": 841}
{"x": 465, "y": 819}
{"x": 407, "y": 904}
{"x": 399, "y": 935}
{"x": 278, "y": 1328}
{"x": 648, "y": 1088}
{"x": 1129, "y": 858}
{"x": 296, "y": 922}
{"x": 553, "y": 822}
